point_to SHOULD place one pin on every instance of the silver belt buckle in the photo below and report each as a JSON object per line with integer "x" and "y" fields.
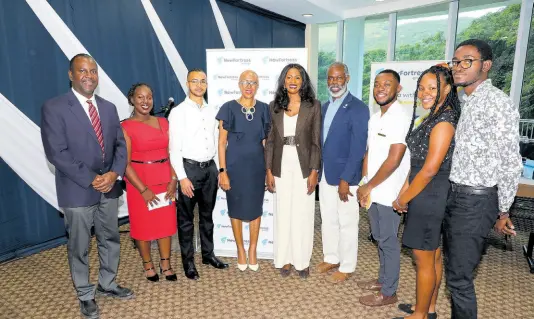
{"x": 290, "y": 140}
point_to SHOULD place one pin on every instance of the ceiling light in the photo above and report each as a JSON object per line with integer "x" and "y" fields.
{"x": 307, "y": 15}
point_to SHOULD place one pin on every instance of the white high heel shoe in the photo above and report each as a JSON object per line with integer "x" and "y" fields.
{"x": 242, "y": 267}
{"x": 255, "y": 267}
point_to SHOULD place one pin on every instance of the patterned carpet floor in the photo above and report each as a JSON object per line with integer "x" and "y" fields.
{"x": 39, "y": 286}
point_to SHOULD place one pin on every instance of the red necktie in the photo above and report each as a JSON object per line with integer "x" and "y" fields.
{"x": 95, "y": 121}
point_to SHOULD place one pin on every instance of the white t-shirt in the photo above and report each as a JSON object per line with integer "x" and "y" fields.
{"x": 384, "y": 131}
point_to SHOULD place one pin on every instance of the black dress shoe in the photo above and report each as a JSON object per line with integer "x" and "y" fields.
{"x": 89, "y": 309}
{"x": 215, "y": 262}
{"x": 407, "y": 307}
{"x": 163, "y": 271}
{"x": 191, "y": 271}
{"x": 119, "y": 292}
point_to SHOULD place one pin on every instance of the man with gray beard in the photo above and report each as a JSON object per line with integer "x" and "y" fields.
{"x": 344, "y": 140}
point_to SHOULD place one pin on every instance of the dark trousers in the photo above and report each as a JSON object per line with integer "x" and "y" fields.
{"x": 468, "y": 220}
{"x": 205, "y": 182}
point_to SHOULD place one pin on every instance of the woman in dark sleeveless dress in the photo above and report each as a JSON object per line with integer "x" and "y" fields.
{"x": 431, "y": 147}
{"x": 244, "y": 125}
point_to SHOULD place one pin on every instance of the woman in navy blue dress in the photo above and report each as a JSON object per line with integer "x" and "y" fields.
{"x": 243, "y": 128}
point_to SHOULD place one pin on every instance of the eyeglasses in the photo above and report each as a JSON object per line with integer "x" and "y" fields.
{"x": 247, "y": 83}
{"x": 337, "y": 78}
{"x": 197, "y": 81}
{"x": 464, "y": 64}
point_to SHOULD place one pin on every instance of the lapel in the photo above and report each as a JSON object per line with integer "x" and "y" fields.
{"x": 340, "y": 114}
{"x": 77, "y": 109}
{"x": 304, "y": 111}
{"x": 278, "y": 121}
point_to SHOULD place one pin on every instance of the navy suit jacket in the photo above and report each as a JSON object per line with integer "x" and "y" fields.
{"x": 346, "y": 142}
{"x": 71, "y": 145}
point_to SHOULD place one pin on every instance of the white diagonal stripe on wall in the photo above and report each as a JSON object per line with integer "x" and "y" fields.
{"x": 170, "y": 50}
{"x": 25, "y": 156}
{"x": 221, "y": 24}
{"x": 71, "y": 46}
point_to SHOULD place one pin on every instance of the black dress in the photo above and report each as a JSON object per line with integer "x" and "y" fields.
{"x": 245, "y": 161}
{"x": 427, "y": 210}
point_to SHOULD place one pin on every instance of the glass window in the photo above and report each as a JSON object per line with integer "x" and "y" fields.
{"x": 327, "y": 56}
{"x": 495, "y": 22}
{"x": 421, "y": 33}
{"x": 526, "y": 107}
{"x": 375, "y": 45}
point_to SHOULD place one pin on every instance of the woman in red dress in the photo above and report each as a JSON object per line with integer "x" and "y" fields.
{"x": 150, "y": 181}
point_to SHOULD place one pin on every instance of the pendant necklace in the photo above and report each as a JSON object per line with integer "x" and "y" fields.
{"x": 249, "y": 112}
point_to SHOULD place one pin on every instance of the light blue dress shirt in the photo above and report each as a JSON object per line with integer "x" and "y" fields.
{"x": 331, "y": 112}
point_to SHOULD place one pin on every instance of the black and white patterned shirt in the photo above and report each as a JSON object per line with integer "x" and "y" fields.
{"x": 487, "y": 143}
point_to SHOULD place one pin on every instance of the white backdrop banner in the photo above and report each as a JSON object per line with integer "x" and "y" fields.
{"x": 409, "y": 72}
{"x": 223, "y": 70}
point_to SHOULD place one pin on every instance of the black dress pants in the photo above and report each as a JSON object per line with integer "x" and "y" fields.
{"x": 204, "y": 180}
{"x": 470, "y": 215}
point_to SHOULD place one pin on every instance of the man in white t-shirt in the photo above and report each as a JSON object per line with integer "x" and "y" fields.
{"x": 386, "y": 166}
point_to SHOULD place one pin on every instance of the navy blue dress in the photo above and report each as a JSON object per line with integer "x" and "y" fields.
{"x": 245, "y": 160}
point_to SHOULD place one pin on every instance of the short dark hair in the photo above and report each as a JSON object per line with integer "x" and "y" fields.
{"x": 482, "y": 47}
{"x": 390, "y": 71}
{"x": 195, "y": 70}
{"x": 79, "y": 55}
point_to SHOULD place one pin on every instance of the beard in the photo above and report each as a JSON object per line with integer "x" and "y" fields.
{"x": 342, "y": 90}
{"x": 386, "y": 102}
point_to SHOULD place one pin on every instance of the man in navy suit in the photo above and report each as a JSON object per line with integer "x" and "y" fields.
{"x": 83, "y": 139}
{"x": 344, "y": 137}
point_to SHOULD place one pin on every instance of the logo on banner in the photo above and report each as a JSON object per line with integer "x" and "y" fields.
{"x": 225, "y": 77}
{"x": 221, "y": 198}
{"x": 268, "y": 59}
{"x": 268, "y": 92}
{"x": 266, "y": 201}
{"x": 264, "y": 242}
{"x": 223, "y": 211}
{"x": 222, "y": 92}
{"x": 247, "y": 227}
{"x": 223, "y": 240}
{"x": 222, "y": 60}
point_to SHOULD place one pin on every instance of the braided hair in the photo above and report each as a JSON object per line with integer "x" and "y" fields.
{"x": 451, "y": 100}
{"x": 131, "y": 93}
{"x": 306, "y": 92}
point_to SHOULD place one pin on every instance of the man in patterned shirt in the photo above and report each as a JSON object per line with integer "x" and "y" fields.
{"x": 485, "y": 172}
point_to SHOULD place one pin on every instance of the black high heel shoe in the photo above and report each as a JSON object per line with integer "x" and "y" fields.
{"x": 162, "y": 271}
{"x": 154, "y": 278}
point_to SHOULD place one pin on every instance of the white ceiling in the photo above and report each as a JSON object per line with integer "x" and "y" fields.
{"x": 335, "y": 10}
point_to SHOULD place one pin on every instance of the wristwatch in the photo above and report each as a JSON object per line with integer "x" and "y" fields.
{"x": 504, "y": 215}
{"x": 222, "y": 170}
{"x": 174, "y": 178}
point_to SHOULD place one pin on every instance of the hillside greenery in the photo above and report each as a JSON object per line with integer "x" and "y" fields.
{"x": 499, "y": 29}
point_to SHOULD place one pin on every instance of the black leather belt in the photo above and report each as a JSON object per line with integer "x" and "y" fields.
{"x": 290, "y": 140}
{"x": 473, "y": 190}
{"x": 199, "y": 164}
{"x": 151, "y": 162}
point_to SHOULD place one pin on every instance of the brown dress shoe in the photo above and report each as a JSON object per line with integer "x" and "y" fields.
{"x": 377, "y": 299}
{"x": 337, "y": 277}
{"x": 325, "y": 267}
{"x": 372, "y": 285}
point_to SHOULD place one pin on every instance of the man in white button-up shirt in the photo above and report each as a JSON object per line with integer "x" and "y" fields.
{"x": 193, "y": 151}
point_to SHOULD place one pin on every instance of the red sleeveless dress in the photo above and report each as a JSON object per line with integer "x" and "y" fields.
{"x": 149, "y": 144}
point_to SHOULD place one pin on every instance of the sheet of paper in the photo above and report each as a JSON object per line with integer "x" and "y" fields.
{"x": 161, "y": 203}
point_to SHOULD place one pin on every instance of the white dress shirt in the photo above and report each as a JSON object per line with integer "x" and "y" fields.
{"x": 384, "y": 131}
{"x": 83, "y": 102}
{"x": 193, "y": 134}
